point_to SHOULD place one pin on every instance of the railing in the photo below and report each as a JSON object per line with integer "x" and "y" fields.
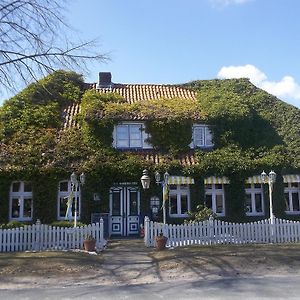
{"x": 218, "y": 232}
{"x": 44, "y": 237}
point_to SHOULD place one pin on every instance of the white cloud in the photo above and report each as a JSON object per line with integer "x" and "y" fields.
{"x": 287, "y": 88}
{"x": 218, "y": 3}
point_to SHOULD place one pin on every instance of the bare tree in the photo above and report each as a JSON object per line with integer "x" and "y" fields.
{"x": 33, "y": 41}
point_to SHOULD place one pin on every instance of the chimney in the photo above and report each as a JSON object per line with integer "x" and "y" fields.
{"x": 105, "y": 80}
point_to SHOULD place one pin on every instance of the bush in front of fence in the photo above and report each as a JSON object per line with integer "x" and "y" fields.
{"x": 13, "y": 224}
{"x": 66, "y": 224}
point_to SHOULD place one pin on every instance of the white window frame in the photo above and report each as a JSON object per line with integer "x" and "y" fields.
{"x": 181, "y": 190}
{"x": 210, "y": 189}
{"x": 206, "y": 132}
{"x": 252, "y": 190}
{"x": 292, "y": 190}
{"x": 143, "y": 136}
{"x": 21, "y": 195}
{"x": 66, "y": 194}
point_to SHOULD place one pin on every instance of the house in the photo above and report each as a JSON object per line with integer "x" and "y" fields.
{"x": 207, "y": 135}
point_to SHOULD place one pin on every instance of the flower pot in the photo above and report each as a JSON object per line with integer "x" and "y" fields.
{"x": 161, "y": 242}
{"x": 89, "y": 245}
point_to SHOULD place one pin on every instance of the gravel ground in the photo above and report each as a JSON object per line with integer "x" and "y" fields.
{"x": 130, "y": 262}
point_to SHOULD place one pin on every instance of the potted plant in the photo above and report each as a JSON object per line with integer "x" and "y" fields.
{"x": 161, "y": 241}
{"x": 89, "y": 243}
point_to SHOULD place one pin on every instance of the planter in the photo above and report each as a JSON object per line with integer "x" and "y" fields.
{"x": 89, "y": 245}
{"x": 161, "y": 242}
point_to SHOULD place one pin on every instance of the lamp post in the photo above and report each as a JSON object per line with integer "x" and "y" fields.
{"x": 270, "y": 179}
{"x": 145, "y": 180}
{"x": 74, "y": 187}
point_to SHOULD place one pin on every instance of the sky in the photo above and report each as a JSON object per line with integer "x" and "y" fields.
{"x": 176, "y": 41}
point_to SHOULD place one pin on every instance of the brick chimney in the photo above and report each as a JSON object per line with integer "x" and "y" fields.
{"x": 105, "y": 80}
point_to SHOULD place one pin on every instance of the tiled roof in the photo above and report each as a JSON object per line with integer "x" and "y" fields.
{"x": 143, "y": 92}
{"x": 131, "y": 93}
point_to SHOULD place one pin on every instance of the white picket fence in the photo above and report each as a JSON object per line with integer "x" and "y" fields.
{"x": 44, "y": 237}
{"x": 218, "y": 232}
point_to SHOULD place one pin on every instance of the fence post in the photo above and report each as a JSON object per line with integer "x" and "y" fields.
{"x": 37, "y": 231}
{"x": 147, "y": 231}
{"x": 102, "y": 242}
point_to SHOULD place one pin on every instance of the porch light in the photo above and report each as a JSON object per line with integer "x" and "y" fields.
{"x": 157, "y": 177}
{"x": 145, "y": 180}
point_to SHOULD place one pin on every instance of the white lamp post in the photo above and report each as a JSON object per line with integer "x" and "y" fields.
{"x": 270, "y": 180}
{"x": 74, "y": 187}
{"x": 145, "y": 180}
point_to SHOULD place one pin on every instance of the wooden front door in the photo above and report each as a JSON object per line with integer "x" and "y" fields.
{"x": 124, "y": 210}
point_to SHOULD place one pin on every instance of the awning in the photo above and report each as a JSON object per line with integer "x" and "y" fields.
{"x": 180, "y": 180}
{"x": 254, "y": 179}
{"x": 291, "y": 178}
{"x": 216, "y": 180}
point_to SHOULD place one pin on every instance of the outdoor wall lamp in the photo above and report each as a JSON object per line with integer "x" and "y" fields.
{"x": 145, "y": 180}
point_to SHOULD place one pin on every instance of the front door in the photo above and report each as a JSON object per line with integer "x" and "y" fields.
{"x": 124, "y": 208}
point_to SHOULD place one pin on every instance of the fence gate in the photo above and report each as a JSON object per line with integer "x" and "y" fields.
{"x": 124, "y": 210}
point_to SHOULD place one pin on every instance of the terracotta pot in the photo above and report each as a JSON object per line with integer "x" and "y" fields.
{"x": 89, "y": 245}
{"x": 161, "y": 242}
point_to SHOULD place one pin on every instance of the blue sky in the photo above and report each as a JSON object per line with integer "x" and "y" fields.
{"x": 175, "y": 41}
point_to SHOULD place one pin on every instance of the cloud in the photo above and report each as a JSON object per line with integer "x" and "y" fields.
{"x": 221, "y": 3}
{"x": 287, "y": 88}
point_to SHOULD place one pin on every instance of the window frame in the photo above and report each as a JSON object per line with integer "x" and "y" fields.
{"x": 205, "y": 133}
{"x": 291, "y": 190}
{"x": 21, "y": 195}
{"x": 63, "y": 194}
{"x": 252, "y": 191}
{"x": 129, "y": 139}
{"x": 178, "y": 192}
{"x": 214, "y": 192}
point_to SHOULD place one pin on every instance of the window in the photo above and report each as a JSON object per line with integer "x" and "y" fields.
{"x": 215, "y": 198}
{"x": 254, "y": 199}
{"x": 20, "y": 201}
{"x": 64, "y": 191}
{"x": 129, "y": 136}
{"x": 292, "y": 197}
{"x": 202, "y": 136}
{"x": 179, "y": 200}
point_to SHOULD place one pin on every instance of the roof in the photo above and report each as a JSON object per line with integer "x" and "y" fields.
{"x": 143, "y": 92}
{"x": 131, "y": 93}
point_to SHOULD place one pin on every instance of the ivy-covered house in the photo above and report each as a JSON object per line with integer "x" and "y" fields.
{"x": 213, "y": 137}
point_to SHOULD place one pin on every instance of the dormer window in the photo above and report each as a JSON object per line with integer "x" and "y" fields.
{"x": 202, "y": 137}
{"x": 129, "y": 135}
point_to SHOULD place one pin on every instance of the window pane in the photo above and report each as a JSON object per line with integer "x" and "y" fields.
{"x": 208, "y": 201}
{"x": 133, "y": 203}
{"x": 27, "y": 208}
{"x": 122, "y": 131}
{"x": 15, "y": 208}
{"x": 172, "y": 187}
{"x": 27, "y": 187}
{"x": 184, "y": 204}
{"x": 219, "y": 204}
{"x": 208, "y": 137}
{"x": 295, "y": 184}
{"x": 218, "y": 186}
{"x": 122, "y": 143}
{"x": 286, "y": 185}
{"x": 135, "y": 143}
{"x": 63, "y": 186}
{"x": 116, "y": 203}
{"x": 173, "y": 204}
{"x": 62, "y": 207}
{"x": 257, "y": 185}
{"x": 248, "y": 203}
{"x": 258, "y": 203}
{"x": 199, "y": 136}
{"x": 16, "y": 187}
{"x": 287, "y": 201}
{"x": 295, "y": 199}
